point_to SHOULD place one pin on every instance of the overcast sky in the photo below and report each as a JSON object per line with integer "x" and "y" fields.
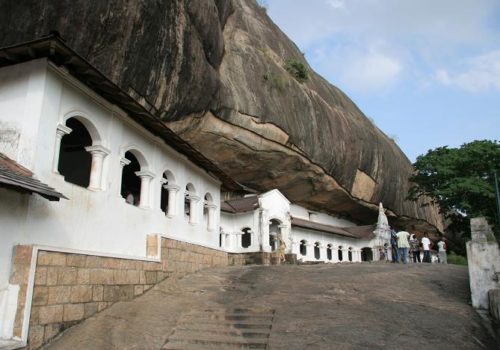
{"x": 426, "y": 71}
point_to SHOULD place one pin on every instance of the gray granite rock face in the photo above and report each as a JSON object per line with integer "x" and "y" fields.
{"x": 213, "y": 70}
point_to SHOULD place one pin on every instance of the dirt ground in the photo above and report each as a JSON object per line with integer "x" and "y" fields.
{"x": 344, "y": 306}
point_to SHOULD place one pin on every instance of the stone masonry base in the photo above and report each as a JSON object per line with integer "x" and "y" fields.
{"x": 69, "y": 287}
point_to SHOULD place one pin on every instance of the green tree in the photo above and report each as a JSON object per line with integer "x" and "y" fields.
{"x": 461, "y": 182}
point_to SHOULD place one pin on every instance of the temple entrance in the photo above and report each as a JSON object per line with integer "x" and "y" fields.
{"x": 366, "y": 254}
{"x": 274, "y": 232}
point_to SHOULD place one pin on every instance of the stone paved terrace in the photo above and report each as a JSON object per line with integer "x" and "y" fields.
{"x": 348, "y": 306}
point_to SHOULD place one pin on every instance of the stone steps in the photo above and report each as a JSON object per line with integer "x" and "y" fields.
{"x": 222, "y": 330}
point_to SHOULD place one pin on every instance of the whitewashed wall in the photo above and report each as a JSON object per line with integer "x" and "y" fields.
{"x": 35, "y": 98}
{"x": 336, "y": 241}
{"x": 303, "y": 213}
{"x": 232, "y": 226}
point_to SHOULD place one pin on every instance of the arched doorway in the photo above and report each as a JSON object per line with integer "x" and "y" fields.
{"x": 246, "y": 238}
{"x": 274, "y": 234}
{"x": 366, "y": 254}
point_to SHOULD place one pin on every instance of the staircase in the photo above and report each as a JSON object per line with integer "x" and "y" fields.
{"x": 222, "y": 329}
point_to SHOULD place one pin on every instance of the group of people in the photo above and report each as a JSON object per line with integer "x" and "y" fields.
{"x": 406, "y": 246}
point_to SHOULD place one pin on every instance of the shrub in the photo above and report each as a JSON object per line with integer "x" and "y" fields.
{"x": 297, "y": 69}
{"x": 457, "y": 259}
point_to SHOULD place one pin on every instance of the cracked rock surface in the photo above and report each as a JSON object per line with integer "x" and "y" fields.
{"x": 345, "y": 306}
{"x": 213, "y": 70}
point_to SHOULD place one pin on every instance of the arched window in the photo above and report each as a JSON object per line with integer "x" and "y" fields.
{"x": 168, "y": 193}
{"x": 340, "y": 253}
{"x": 317, "y": 253}
{"x": 303, "y": 248}
{"x": 190, "y": 200}
{"x": 329, "y": 252}
{"x": 74, "y": 161}
{"x": 246, "y": 237}
{"x": 131, "y": 183}
{"x": 349, "y": 254}
{"x": 164, "y": 194}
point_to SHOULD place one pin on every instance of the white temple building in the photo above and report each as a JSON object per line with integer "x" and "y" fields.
{"x": 256, "y": 223}
{"x": 97, "y": 194}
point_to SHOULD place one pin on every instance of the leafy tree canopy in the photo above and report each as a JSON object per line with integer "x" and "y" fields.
{"x": 460, "y": 181}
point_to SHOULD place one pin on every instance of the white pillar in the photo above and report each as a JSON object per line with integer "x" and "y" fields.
{"x": 193, "y": 206}
{"x": 172, "y": 199}
{"x": 98, "y": 153}
{"x": 295, "y": 249}
{"x": 60, "y": 132}
{"x": 211, "y": 216}
{"x": 146, "y": 177}
{"x": 335, "y": 254}
{"x": 309, "y": 252}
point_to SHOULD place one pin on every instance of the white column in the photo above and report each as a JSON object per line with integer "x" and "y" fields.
{"x": 193, "y": 206}
{"x": 60, "y": 132}
{"x": 295, "y": 249}
{"x": 285, "y": 236}
{"x": 322, "y": 253}
{"x": 309, "y": 251}
{"x": 356, "y": 257}
{"x": 335, "y": 254}
{"x": 146, "y": 177}
{"x": 172, "y": 199}
{"x": 98, "y": 154}
{"x": 211, "y": 216}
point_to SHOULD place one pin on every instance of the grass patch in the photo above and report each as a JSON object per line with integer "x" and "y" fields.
{"x": 276, "y": 81}
{"x": 457, "y": 259}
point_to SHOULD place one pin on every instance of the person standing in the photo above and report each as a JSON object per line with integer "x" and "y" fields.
{"x": 403, "y": 245}
{"x": 415, "y": 248}
{"x": 426, "y": 245}
{"x": 394, "y": 246}
{"x": 443, "y": 259}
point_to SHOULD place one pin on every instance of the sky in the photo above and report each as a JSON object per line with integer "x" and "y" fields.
{"x": 427, "y": 72}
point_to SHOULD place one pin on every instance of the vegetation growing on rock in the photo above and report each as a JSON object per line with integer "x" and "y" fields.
{"x": 297, "y": 69}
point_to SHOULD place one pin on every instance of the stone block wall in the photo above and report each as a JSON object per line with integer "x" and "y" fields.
{"x": 69, "y": 287}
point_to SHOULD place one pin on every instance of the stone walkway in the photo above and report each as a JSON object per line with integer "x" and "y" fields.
{"x": 351, "y": 306}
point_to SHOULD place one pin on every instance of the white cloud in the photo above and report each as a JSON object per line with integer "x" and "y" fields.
{"x": 370, "y": 71}
{"x": 361, "y": 69}
{"x": 429, "y": 21}
{"x": 336, "y": 4}
{"x": 419, "y": 37}
{"x": 480, "y": 73}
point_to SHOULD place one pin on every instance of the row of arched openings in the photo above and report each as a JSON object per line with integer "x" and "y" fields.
{"x": 329, "y": 251}
{"x": 75, "y": 163}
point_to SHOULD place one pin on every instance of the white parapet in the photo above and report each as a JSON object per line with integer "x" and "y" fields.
{"x": 8, "y": 307}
